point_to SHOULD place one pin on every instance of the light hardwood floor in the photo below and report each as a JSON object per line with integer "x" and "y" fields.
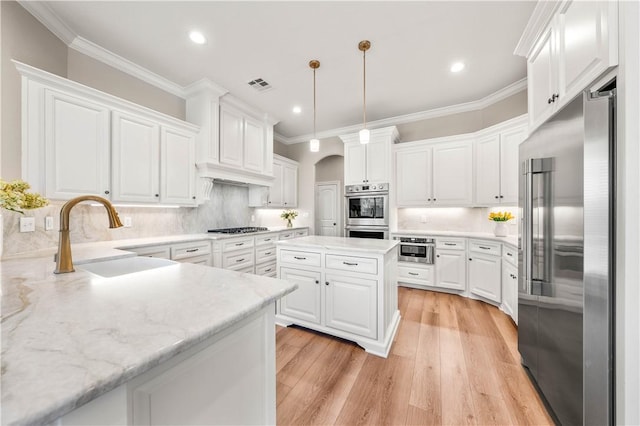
{"x": 454, "y": 361}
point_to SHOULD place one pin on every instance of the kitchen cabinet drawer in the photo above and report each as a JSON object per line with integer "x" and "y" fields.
{"x": 187, "y": 250}
{"x": 353, "y": 264}
{"x": 301, "y": 233}
{"x": 300, "y": 258}
{"x": 451, "y": 243}
{"x": 162, "y": 252}
{"x": 247, "y": 270}
{"x": 510, "y": 254}
{"x": 237, "y": 259}
{"x": 267, "y": 269}
{"x": 414, "y": 273}
{"x": 266, "y": 239}
{"x": 484, "y": 247}
{"x": 198, "y": 260}
{"x": 287, "y": 234}
{"x": 264, "y": 254}
{"x": 237, "y": 244}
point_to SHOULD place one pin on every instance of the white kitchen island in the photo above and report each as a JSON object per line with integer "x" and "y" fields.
{"x": 347, "y": 287}
{"x": 180, "y": 344}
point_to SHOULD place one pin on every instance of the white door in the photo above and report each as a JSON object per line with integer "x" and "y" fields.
{"x": 453, "y": 174}
{"x": 290, "y": 186}
{"x": 254, "y": 144}
{"x": 178, "y": 168}
{"x": 76, "y": 147}
{"x": 136, "y": 158}
{"x": 231, "y": 136}
{"x": 488, "y": 170}
{"x": 355, "y": 163}
{"x": 351, "y": 304}
{"x": 304, "y": 302}
{"x": 451, "y": 271}
{"x": 328, "y": 210}
{"x": 377, "y": 169}
{"x": 510, "y": 290}
{"x": 413, "y": 177}
{"x": 484, "y": 276}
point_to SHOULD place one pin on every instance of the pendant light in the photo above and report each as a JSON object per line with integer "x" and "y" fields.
{"x": 314, "y": 144}
{"x": 364, "y": 45}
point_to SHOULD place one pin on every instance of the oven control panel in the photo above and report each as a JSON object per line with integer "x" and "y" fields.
{"x": 370, "y": 187}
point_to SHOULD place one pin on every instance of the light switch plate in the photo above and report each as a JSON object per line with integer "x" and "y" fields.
{"x": 48, "y": 223}
{"x": 27, "y": 224}
{"x": 423, "y": 218}
{"x": 128, "y": 223}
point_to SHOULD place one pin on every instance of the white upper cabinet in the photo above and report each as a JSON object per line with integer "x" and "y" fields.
{"x": 578, "y": 44}
{"x": 135, "y": 152}
{"x": 369, "y": 163}
{"x": 75, "y": 152}
{"x": 254, "y": 145}
{"x": 81, "y": 141}
{"x": 231, "y": 136}
{"x": 497, "y": 165}
{"x": 283, "y": 192}
{"x": 435, "y": 174}
{"x": 290, "y": 185}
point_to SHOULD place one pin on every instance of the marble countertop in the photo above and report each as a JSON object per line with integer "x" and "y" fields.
{"x": 509, "y": 239}
{"x": 67, "y": 339}
{"x": 341, "y": 243}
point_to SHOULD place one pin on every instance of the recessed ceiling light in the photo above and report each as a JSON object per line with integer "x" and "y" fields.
{"x": 457, "y": 66}
{"x": 297, "y": 110}
{"x": 197, "y": 37}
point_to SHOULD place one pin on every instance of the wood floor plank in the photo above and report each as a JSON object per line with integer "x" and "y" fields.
{"x": 407, "y": 335}
{"x": 284, "y": 354}
{"x": 419, "y": 417}
{"x": 431, "y": 302}
{"x": 457, "y": 402}
{"x": 415, "y": 305}
{"x": 282, "y": 391}
{"x": 293, "y": 370}
{"x": 425, "y": 387}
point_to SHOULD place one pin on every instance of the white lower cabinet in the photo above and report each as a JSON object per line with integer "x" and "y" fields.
{"x": 349, "y": 296}
{"x": 484, "y": 276}
{"x": 198, "y": 252}
{"x": 451, "y": 270}
{"x": 417, "y": 275}
{"x": 510, "y": 282}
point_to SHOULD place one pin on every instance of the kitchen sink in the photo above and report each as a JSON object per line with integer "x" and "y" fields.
{"x": 128, "y": 265}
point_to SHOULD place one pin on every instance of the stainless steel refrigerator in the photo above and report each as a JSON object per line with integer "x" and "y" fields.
{"x": 566, "y": 258}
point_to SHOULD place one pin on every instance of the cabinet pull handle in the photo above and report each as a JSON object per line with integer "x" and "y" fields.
{"x": 484, "y": 248}
{"x": 350, "y": 264}
{"x": 240, "y": 260}
{"x": 413, "y": 273}
{"x": 509, "y": 254}
{"x": 269, "y": 270}
{"x": 192, "y": 250}
{"x": 450, "y": 244}
{"x": 267, "y": 239}
{"x": 239, "y": 244}
{"x": 299, "y": 257}
{"x": 267, "y": 253}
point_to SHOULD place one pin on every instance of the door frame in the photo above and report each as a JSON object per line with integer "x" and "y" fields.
{"x": 339, "y": 204}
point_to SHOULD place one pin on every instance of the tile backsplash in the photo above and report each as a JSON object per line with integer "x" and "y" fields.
{"x": 227, "y": 208}
{"x": 459, "y": 219}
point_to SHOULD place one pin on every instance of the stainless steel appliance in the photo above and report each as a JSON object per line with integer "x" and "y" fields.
{"x": 376, "y": 232}
{"x": 566, "y": 262}
{"x": 367, "y": 205}
{"x": 243, "y": 230}
{"x": 416, "y": 249}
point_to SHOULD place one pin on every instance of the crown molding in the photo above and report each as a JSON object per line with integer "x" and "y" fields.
{"x": 43, "y": 13}
{"x": 540, "y": 18}
{"x": 501, "y": 94}
{"x": 249, "y": 109}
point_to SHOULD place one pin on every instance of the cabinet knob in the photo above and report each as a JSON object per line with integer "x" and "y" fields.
{"x": 317, "y": 282}
{"x": 106, "y": 192}
{"x": 496, "y": 197}
{"x": 194, "y": 197}
{"x": 502, "y": 196}
{"x": 437, "y": 255}
{"x": 428, "y": 199}
{"x": 470, "y": 259}
{"x": 326, "y": 283}
{"x": 157, "y": 195}
{"x": 549, "y": 100}
{"x": 434, "y": 199}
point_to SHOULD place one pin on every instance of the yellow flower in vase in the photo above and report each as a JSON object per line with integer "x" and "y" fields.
{"x": 289, "y": 215}
{"x": 500, "y": 218}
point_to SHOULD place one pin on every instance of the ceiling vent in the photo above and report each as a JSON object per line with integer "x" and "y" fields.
{"x": 260, "y": 85}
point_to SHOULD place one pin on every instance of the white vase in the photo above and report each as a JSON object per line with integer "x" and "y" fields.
{"x": 501, "y": 229}
{"x": 1, "y": 235}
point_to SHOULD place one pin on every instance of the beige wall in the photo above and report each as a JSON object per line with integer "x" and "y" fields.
{"x": 281, "y": 149}
{"x": 28, "y": 41}
{"x": 465, "y": 122}
{"x": 330, "y": 168}
{"x": 93, "y": 73}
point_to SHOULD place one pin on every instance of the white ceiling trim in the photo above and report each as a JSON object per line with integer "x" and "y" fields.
{"x": 501, "y": 94}
{"x": 43, "y": 13}
{"x": 539, "y": 19}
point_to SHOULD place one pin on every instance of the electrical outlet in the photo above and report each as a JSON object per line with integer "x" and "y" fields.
{"x": 423, "y": 218}
{"x": 27, "y": 224}
{"x": 48, "y": 223}
{"x": 128, "y": 223}
{"x": 305, "y": 214}
{"x": 253, "y": 218}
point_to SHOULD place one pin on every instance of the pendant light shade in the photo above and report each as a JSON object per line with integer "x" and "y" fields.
{"x": 314, "y": 144}
{"x": 363, "y": 46}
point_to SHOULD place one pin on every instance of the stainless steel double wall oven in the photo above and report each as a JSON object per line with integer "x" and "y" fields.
{"x": 367, "y": 210}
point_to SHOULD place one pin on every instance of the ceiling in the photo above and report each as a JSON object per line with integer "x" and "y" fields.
{"x": 413, "y": 46}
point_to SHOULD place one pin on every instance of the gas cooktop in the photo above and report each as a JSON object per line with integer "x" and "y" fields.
{"x": 244, "y": 230}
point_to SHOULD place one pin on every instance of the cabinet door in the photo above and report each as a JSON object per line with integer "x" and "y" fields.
{"x": 413, "y": 178}
{"x": 76, "y": 147}
{"x": 377, "y": 162}
{"x": 453, "y": 174}
{"x": 510, "y": 290}
{"x": 509, "y": 143}
{"x": 485, "y": 275}
{"x": 355, "y": 163}
{"x": 542, "y": 81}
{"x": 451, "y": 271}
{"x": 290, "y": 186}
{"x": 178, "y": 170}
{"x": 351, "y": 304}
{"x": 135, "y": 158}
{"x": 254, "y": 145}
{"x": 304, "y": 302}
{"x": 276, "y": 195}
{"x": 231, "y": 136}
{"x": 488, "y": 170}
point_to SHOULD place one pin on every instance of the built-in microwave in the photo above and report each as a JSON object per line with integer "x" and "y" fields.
{"x": 367, "y": 205}
{"x": 416, "y": 249}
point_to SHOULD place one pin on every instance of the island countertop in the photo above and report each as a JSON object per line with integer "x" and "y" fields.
{"x": 367, "y": 245}
{"x": 67, "y": 339}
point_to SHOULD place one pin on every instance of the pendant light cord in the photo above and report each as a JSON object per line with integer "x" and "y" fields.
{"x": 314, "y": 103}
{"x": 364, "y": 89}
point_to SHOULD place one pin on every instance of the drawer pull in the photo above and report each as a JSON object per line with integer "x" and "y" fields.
{"x": 509, "y": 254}
{"x": 286, "y": 235}
{"x": 415, "y": 274}
{"x": 350, "y": 264}
{"x": 239, "y": 244}
{"x": 268, "y": 270}
{"x": 267, "y": 239}
{"x": 299, "y": 257}
{"x": 450, "y": 244}
{"x": 267, "y": 253}
{"x": 192, "y": 250}
{"x": 484, "y": 248}
{"x": 240, "y": 260}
